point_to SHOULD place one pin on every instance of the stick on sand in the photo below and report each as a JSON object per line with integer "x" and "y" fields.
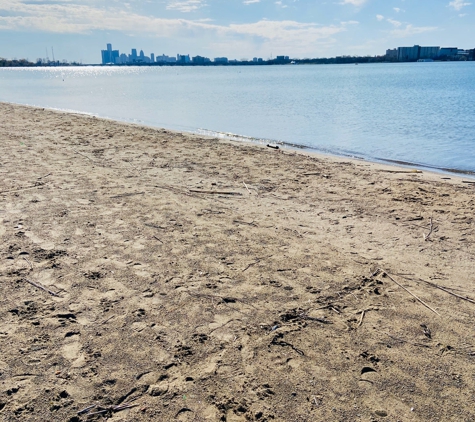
{"x": 412, "y": 294}
{"x": 39, "y": 286}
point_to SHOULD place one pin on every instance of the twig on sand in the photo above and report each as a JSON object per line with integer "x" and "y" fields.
{"x": 155, "y": 237}
{"x": 447, "y": 291}
{"x": 27, "y": 260}
{"x": 223, "y": 325}
{"x": 84, "y": 155}
{"x": 408, "y": 291}
{"x": 46, "y": 175}
{"x": 251, "y": 264}
{"x": 246, "y": 187}
{"x": 36, "y": 185}
{"x": 361, "y": 319}
{"x": 39, "y": 286}
{"x": 105, "y": 409}
{"x": 431, "y": 227}
{"x": 408, "y": 342}
{"x": 215, "y": 192}
{"x": 87, "y": 409}
{"x": 107, "y": 320}
{"x": 123, "y": 195}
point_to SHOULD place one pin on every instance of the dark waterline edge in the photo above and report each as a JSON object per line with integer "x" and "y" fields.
{"x": 334, "y": 153}
{"x": 262, "y": 141}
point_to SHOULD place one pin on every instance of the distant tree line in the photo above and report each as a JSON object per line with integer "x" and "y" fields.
{"x": 15, "y": 63}
{"x": 39, "y": 62}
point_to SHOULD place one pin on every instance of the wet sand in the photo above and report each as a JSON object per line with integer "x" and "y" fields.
{"x": 196, "y": 279}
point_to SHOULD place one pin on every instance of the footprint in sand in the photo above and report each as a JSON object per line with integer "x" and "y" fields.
{"x": 72, "y": 352}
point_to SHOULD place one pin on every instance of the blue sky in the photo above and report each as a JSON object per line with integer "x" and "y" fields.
{"x": 79, "y": 29}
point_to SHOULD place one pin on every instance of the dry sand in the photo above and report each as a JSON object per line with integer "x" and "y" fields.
{"x": 204, "y": 280}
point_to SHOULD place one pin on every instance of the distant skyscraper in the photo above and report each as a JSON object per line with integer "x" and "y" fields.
{"x": 180, "y": 58}
{"x": 109, "y": 56}
{"x": 406, "y": 54}
{"x": 152, "y": 58}
{"x": 223, "y": 60}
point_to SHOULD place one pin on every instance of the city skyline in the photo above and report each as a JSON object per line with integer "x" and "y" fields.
{"x": 239, "y": 28}
{"x": 399, "y": 54}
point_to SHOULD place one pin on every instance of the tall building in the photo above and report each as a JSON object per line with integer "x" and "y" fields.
{"x": 448, "y": 52}
{"x": 152, "y": 58}
{"x": 109, "y": 56}
{"x": 165, "y": 59}
{"x": 133, "y": 55}
{"x": 407, "y": 54}
{"x": 182, "y": 59}
{"x": 221, "y": 60}
{"x": 428, "y": 52}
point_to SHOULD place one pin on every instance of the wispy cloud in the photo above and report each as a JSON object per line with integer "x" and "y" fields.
{"x": 459, "y": 4}
{"x": 354, "y": 2}
{"x": 69, "y": 18}
{"x": 410, "y": 30}
{"x": 186, "y": 6}
{"x": 251, "y": 1}
{"x": 380, "y": 17}
{"x": 395, "y": 23}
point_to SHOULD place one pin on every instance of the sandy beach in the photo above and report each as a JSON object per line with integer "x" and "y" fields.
{"x": 150, "y": 275}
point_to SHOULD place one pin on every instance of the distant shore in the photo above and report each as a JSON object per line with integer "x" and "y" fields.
{"x": 323, "y": 61}
{"x": 158, "y": 275}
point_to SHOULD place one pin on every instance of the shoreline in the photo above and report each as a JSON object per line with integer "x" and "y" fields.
{"x": 222, "y": 136}
{"x": 149, "y": 274}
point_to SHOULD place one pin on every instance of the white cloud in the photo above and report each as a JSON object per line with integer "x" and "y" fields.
{"x": 380, "y": 17}
{"x": 459, "y": 4}
{"x": 411, "y": 30}
{"x": 186, "y": 5}
{"x": 397, "y": 9}
{"x": 395, "y": 23}
{"x": 354, "y": 2}
{"x": 251, "y": 1}
{"x": 68, "y": 18}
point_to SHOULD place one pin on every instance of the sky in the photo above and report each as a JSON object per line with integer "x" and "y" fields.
{"x": 239, "y": 29}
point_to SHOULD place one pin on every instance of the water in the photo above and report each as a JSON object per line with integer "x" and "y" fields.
{"x": 421, "y": 113}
